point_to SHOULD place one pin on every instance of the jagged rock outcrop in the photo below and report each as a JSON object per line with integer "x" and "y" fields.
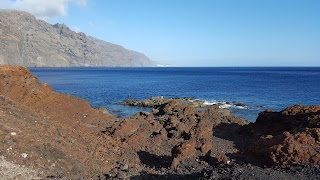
{"x": 177, "y": 130}
{"x": 287, "y": 137}
{"x": 57, "y": 136}
{"x": 29, "y": 42}
{"x": 287, "y": 149}
{"x": 63, "y": 136}
{"x": 156, "y": 101}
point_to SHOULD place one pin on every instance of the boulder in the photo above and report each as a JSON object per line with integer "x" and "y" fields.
{"x": 288, "y": 137}
{"x": 287, "y": 149}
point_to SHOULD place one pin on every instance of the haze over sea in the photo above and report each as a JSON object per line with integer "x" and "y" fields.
{"x": 259, "y": 88}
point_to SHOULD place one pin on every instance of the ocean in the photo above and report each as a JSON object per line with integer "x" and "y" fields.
{"x": 258, "y": 88}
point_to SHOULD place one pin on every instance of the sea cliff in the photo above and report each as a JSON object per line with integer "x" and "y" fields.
{"x": 29, "y": 42}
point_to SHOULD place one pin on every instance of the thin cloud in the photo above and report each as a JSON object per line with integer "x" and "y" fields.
{"x": 82, "y": 3}
{"x": 5, "y": 4}
{"x": 91, "y": 24}
{"x": 42, "y": 9}
{"x": 76, "y": 29}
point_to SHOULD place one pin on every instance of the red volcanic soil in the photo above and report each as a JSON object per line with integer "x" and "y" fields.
{"x": 49, "y": 135}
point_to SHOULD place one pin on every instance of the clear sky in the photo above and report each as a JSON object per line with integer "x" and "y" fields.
{"x": 195, "y": 32}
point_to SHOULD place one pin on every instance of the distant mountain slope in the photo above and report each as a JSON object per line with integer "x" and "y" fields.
{"x": 26, "y": 41}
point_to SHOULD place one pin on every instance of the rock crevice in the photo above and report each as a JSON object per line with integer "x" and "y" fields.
{"x": 61, "y": 136}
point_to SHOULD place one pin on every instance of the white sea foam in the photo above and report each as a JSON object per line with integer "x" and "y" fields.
{"x": 242, "y": 107}
{"x": 209, "y": 103}
{"x": 212, "y": 102}
{"x": 224, "y": 104}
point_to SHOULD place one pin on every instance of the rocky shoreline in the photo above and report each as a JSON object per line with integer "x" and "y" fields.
{"x": 58, "y": 136}
{"x": 197, "y": 103}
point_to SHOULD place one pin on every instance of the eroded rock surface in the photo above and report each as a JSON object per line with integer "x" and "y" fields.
{"x": 58, "y": 134}
{"x": 153, "y": 102}
{"x": 26, "y": 41}
{"x": 177, "y": 129}
{"x": 61, "y": 136}
{"x": 288, "y": 137}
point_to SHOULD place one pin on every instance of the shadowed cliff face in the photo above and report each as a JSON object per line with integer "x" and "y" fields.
{"x": 26, "y": 41}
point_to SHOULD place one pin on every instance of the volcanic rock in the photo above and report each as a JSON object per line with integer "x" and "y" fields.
{"x": 295, "y": 118}
{"x": 287, "y": 149}
{"x": 61, "y": 136}
{"x": 59, "y": 133}
{"x": 287, "y": 137}
{"x": 153, "y": 102}
{"x": 19, "y": 85}
{"x": 177, "y": 130}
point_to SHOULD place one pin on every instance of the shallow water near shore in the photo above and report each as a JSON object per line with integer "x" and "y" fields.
{"x": 258, "y": 88}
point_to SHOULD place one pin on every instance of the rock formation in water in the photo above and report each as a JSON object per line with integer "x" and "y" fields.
{"x": 29, "y": 42}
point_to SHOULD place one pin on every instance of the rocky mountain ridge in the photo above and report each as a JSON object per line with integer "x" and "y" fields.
{"x": 26, "y": 41}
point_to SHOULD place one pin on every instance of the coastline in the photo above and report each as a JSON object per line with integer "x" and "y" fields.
{"x": 175, "y": 141}
{"x": 256, "y": 88}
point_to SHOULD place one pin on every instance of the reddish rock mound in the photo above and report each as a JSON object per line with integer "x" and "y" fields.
{"x": 54, "y": 133}
{"x": 295, "y": 118}
{"x": 19, "y": 85}
{"x": 287, "y": 149}
{"x": 288, "y": 137}
{"x": 178, "y": 130}
{"x": 61, "y": 136}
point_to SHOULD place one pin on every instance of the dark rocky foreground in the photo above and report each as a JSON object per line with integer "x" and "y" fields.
{"x": 55, "y": 136}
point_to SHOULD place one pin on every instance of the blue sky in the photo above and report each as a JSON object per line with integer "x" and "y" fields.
{"x": 196, "y": 33}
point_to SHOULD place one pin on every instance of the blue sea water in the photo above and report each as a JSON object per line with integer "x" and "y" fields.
{"x": 259, "y": 88}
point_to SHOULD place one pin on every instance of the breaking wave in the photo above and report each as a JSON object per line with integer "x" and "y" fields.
{"x": 226, "y": 104}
